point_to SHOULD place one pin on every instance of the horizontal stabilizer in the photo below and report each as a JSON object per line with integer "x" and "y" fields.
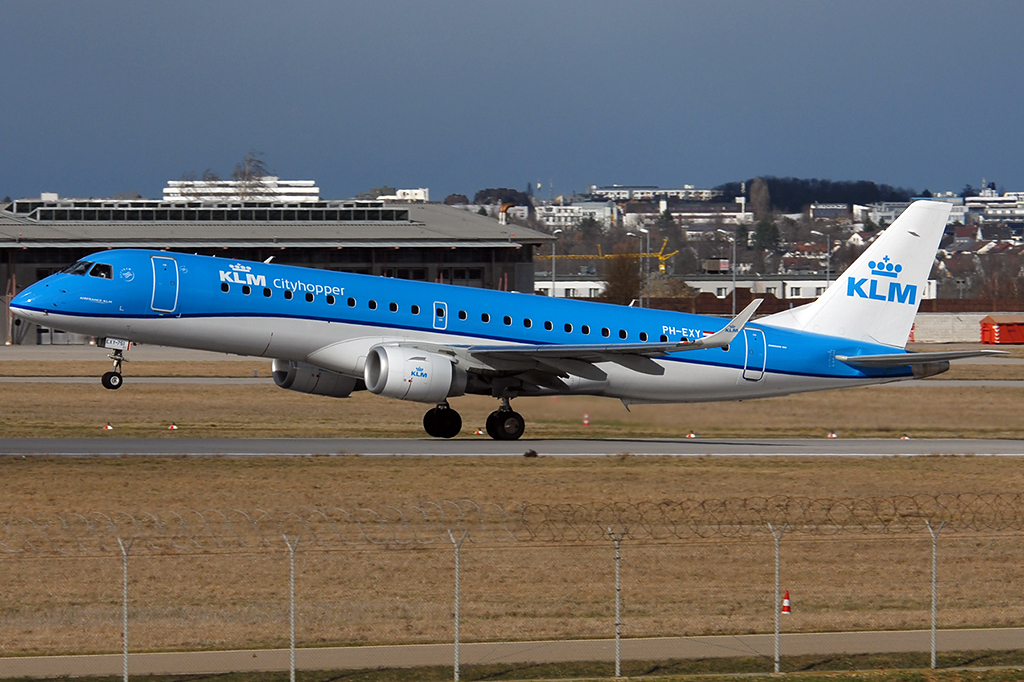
{"x": 904, "y": 359}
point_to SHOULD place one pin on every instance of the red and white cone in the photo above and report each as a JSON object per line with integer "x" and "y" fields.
{"x": 832, "y": 434}
{"x": 904, "y": 437}
{"x": 479, "y": 431}
{"x": 785, "y": 603}
{"x": 586, "y": 419}
{"x": 172, "y": 427}
{"x": 108, "y": 427}
{"x": 691, "y": 434}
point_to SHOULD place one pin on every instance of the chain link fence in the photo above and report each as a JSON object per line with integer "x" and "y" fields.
{"x": 530, "y": 574}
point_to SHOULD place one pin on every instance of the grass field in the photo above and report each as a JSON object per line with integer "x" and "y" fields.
{"x": 392, "y": 594}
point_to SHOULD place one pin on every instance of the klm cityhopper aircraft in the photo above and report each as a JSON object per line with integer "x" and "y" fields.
{"x": 331, "y": 333}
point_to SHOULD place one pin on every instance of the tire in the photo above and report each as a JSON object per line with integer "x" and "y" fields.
{"x": 112, "y": 380}
{"x": 451, "y": 423}
{"x": 431, "y": 423}
{"x": 509, "y": 425}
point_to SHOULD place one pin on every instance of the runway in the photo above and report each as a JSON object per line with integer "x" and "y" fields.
{"x": 479, "y": 447}
{"x": 416, "y": 655}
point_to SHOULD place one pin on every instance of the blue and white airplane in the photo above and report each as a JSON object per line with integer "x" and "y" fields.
{"x": 331, "y": 333}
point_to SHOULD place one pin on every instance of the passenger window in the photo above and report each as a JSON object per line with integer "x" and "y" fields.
{"x": 246, "y": 289}
{"x": 484, "y": 317}
{"x": 606, "y": 332}
{"x": 225, "y": 287}
{"x": 372, "y": 304}
{"x": 351, "y": 303}
{"x": 527, "y": 323}
{"x": 287, "y": 295}
{"x": 103, "y": 271}
{"x": 585, "y": 329}
{"x": 643, "y": 336}
{"x": 548, "y": 326}
{"x": 622, "y": 333}
{"x": 439, "y": 313}
{"x": 330, "y": 299}
{"x": 568, "y": 328}
{"x": 393, "y": 307}
{"x": 507, "y": 320}
{"x": 309, "y": 297}
{"x": 664, "y": 339}
{"x": 462, "y": 314}
{"x": 415, "y": 310}
{"x": 267, "y": 292}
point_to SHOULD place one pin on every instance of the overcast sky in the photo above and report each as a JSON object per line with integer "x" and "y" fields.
{"x": 106, "y": 97}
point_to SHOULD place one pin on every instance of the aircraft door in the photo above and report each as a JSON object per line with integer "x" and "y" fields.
{"x": 440, "y": 315}
{"x": 165, "y": 284}
{"x": 754, "y": 362}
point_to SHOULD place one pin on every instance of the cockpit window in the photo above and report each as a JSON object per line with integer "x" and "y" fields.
{"x": 102, "y": 270}
{"x": 79, "y": 268}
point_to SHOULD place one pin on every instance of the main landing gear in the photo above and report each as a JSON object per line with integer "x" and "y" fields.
{"x": 502, "y": 424}
{"x": 505, "y": 423}
{"x": 442, "y": 422}
{"x": 113, "y": 380}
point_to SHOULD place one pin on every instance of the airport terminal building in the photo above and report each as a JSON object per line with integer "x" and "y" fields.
{"x": 418, "y": 241}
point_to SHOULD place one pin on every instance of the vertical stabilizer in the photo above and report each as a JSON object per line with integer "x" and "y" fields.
{"x": 876, "y": 299}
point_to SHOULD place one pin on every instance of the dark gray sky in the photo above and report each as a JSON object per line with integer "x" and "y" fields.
{"x": 104, "y": 97}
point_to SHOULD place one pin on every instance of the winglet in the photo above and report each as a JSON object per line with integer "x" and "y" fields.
{"x": 724, "y": 337}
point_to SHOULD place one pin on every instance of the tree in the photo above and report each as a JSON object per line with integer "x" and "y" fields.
{"x": 501, "y": 195}
{"x": 760, "y": 201}
{"x": 622, "y": 281}
{"x": 766, "y": 235}
{"x": 743, "y": 237}
{"x": 249, "y": 174}
{"x": 456, "y": 200}
{"x": 481, "y": 211}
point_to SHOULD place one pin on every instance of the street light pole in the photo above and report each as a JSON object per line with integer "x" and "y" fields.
{"x": 828, "y": 257}
{"x": 732, "y": 266}
{"x": 640, "y": 265}
{"x": 555, "y": 235}
{"x": 647, "y": 268}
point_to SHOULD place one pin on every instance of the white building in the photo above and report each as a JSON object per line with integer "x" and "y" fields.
{"x": 650, "y": 192}
{"x": 562, "y": 217}
{"x": 267, "y": 188}
{"x": 407, "y": 196}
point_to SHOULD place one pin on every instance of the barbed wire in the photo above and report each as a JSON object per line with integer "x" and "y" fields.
{"x": 427, "y": 523}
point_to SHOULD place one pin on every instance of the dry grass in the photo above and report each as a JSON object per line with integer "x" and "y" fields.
{"x": 515, "y": 591}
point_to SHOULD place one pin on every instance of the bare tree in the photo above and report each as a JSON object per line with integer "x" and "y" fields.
{"x": 248, "y": 176}
{"x": 760, "y": 201}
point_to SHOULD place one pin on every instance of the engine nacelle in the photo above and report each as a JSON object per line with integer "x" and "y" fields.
{"x": 410, "y": 374}
{"x": 306, "y": 378}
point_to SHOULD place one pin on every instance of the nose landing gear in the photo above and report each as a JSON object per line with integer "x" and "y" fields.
{"x": 113, "y": 380}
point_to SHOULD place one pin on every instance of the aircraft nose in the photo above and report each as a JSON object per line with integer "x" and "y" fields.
{"x": 31, "y": 302}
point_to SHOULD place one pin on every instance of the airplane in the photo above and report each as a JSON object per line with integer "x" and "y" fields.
{"x": 331, "y": 333}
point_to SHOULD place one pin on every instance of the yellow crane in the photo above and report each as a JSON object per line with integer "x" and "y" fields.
{"x": 660, "y": 255}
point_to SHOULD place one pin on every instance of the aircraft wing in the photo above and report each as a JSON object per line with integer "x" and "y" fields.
{"x": 911, "y": 358}
{"x": 578, "y": 359}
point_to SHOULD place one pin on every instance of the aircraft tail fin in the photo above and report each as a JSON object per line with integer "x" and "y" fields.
{"x": 876, "y": 299}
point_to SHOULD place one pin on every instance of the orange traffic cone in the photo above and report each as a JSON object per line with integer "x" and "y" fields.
{"x": 172, "y": 427}
{"x": 586, "y": 419}
{"x": 832, "y": 434}
{"x": 691, "y": 434}
{"x": 785, "y": 603}
{"x": 108, "y": 427}
{"x": 479, "y": 431}
{"x": 904, "y": 437}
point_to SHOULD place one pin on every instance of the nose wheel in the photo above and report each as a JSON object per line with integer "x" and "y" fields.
{"x": 112, "y": 379}
{"x": 442, "y": 422}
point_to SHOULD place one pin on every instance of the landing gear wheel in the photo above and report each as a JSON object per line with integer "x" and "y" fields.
{"x": 442, "y": 422}
{"x": 111, "y": 380}
{"x": 505, "y": 425}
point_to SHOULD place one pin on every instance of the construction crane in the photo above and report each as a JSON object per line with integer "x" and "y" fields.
{"x": 660, "y": 255}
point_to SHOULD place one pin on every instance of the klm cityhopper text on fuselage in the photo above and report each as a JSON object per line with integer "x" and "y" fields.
{"x": 330, "y": 333}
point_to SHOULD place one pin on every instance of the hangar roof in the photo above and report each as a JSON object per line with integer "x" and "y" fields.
{"x": 107, "y": 223}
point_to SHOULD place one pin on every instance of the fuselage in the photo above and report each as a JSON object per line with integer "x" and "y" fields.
{"x": 331, "y": 319}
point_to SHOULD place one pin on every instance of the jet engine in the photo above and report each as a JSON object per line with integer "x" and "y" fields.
{"x": 411, "y": 374}
{"x": 306, "y": 378}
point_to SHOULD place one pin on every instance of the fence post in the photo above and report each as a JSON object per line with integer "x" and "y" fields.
{"x": 935, "y": 585}
{"x": 778, "y": 542}
{"x": 617, "y": 539}
{"x": 458, "y": 549}
{"x": 125, "y": 548}
{"x": 292, "y": 546}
